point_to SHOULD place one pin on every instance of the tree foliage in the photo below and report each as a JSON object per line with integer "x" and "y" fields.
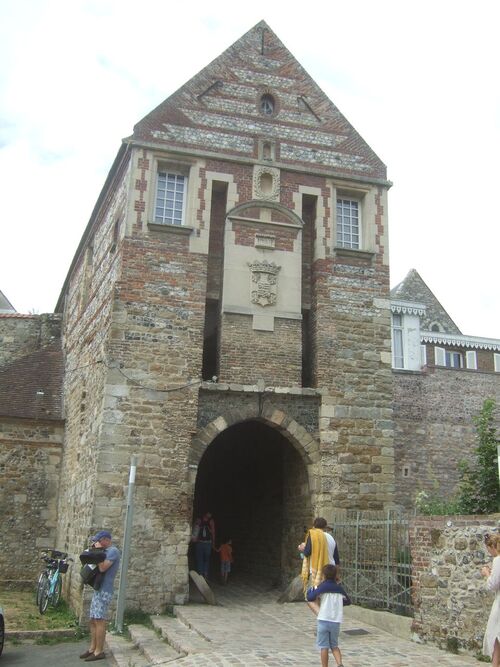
{"x": 479, "y": 489}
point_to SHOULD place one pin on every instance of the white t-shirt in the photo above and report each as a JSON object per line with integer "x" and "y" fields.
{"x": 331, "y": 544}
{"x": 331, "y": 608}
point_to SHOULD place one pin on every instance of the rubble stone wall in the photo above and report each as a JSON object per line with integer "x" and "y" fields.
{"x": 30, "y": 465}
{"x": 23, "y": 334}
{"x": 450, "y": 597}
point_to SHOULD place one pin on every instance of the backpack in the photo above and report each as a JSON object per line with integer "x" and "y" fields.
{"x": 90, "y": 573}
{"x": 91, "y": 576}
{"x": 205, "y": 532}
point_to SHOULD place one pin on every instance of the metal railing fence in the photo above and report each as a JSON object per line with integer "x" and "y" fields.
{"x": 375, "y": 558}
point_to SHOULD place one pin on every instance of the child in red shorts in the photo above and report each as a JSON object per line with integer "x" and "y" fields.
{"x": 226, "y": 558}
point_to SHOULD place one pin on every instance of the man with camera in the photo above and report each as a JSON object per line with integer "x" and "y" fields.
{"x": 102, "y": 597}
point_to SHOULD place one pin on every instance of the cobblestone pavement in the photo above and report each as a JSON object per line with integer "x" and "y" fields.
{"x": 249, "y": 628}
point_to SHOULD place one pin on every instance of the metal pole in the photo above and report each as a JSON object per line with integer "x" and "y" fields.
{"x": 388, "y": 559}
{"x": 122, "y": 587}
{"x": 356, "y": 560}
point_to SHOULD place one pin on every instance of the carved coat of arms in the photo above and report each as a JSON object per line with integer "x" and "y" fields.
{"x": 264, "y": 283}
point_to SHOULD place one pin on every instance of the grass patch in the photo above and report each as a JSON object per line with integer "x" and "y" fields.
{"x": 21, "y": 613}
{"x": 137, "y": 617}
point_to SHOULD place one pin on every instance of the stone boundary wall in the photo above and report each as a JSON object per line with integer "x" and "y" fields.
{"x": 23, "y": 334}
{"x": 450, "y": 598}
{"x": 30, "y": 463}
{"x": 433, "y": 425}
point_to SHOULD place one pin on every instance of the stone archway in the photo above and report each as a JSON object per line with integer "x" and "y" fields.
{"x": 255, "y": 473}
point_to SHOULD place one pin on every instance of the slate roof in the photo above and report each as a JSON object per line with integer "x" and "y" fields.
{"x": 413, "y": 288}
{"x": 5, "y": 304}
{"x": 217, "y": 111}
{"x": 40, "y": 371}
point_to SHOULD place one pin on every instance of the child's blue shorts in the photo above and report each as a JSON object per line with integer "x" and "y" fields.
{"x": 327, "y": 634}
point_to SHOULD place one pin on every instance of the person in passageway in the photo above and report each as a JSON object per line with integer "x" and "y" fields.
{"x": 203, "y": 537}
{"x": 226, "y": 558}
{"x": 319, "y": 549}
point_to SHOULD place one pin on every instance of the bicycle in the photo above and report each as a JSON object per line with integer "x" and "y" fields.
{"x": 50, "y": 582}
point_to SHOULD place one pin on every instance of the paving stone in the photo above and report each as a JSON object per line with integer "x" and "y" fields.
{"x": 249, "y": 627}
{"x": 122, "y": 652}
{"x": 180, "y": 635}
{"x": 156, "y": 650}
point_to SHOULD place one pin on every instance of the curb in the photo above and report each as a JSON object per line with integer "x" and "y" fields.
{"x": 38, "y": 634}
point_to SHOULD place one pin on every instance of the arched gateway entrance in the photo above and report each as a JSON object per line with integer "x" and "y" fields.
{"x": 255, "y": 483}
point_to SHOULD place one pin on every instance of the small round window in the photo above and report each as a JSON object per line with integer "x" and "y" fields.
{"x": 267, "y": 105}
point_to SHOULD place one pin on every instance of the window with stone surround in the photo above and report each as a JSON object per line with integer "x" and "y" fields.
{"x": 170, "y": 202}
{"x": 348, "y": 223}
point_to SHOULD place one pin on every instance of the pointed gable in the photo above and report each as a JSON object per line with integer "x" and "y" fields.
{"x": 220, "y": 111}
{"x": 5, "y": 304}
{"x": 413, "y": 288}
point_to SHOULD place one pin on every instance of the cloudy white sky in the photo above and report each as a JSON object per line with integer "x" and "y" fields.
{"x": 419, "y": 81}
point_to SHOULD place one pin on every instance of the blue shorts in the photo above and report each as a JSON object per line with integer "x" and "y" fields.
{"x": 327, "y": 634}
{"x": 100, "y": 604}
{"x": 225, "y": 566}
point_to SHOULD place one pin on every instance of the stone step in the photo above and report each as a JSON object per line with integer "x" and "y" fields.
{"x": 179, "y": 636}
{"x": 121, "y": 652}
{"x": 150, "y": 645}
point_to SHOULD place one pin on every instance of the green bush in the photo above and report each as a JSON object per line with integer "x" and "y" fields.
{"x": 478, "y": 489}
{"x": 434, "y": 505}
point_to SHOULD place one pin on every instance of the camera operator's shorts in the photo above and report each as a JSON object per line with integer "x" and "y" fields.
{"x": 100, "y": 604}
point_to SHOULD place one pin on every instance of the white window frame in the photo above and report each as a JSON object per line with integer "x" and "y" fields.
{"x": 344, "y": 229}
{"x": 423, "y": 355}
{"x": 471, "y": 360}
{"x": 451, "y": 356}
{"x": 398, "y": 361}
{"x": 175, "y": 176}
{"x": 496, "y": 362}
{"x": 439, "y": 356}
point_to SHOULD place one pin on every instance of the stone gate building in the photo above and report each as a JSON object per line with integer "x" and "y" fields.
{"x": 227, "y": 319}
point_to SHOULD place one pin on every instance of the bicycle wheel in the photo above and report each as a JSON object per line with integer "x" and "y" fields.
{"x": 2, "y": 633}
{"x": 44, "y": 596}
{"x": 41, "y": 579}
{"x": 56, "y": 595}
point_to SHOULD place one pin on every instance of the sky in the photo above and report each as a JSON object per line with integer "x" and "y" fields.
{"x": 418, "y": 81}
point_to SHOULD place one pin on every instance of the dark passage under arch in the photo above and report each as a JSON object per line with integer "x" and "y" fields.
{"x": 255, "y": 484}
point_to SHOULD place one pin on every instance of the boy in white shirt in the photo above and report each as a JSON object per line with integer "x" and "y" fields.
{"x": 330, "y": 612}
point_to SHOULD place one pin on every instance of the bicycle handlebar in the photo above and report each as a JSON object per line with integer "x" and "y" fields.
{"x": 54, "y": 554}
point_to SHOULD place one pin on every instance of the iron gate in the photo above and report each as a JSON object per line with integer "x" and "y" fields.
{"x": 375, "y": 558}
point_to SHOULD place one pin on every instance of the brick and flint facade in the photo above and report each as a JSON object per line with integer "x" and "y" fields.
{"x": 250, "y": 289}
{"x": 227, "y": 320}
